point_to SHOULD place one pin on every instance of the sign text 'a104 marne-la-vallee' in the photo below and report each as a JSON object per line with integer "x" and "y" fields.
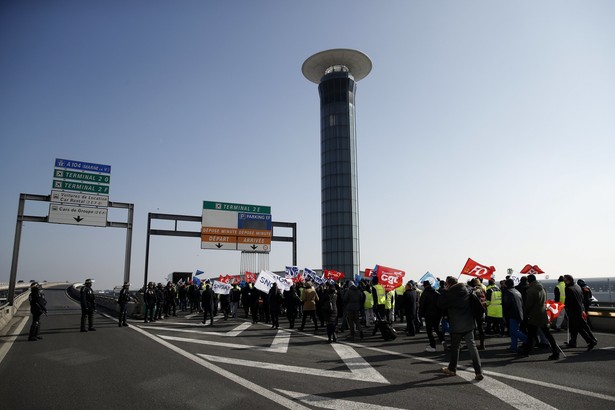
{"x": 243, "y": 227}
{"x": 79, "y": 193}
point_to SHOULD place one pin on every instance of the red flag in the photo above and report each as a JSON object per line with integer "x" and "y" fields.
{"x": 473, "y": 268}
{"x": 389, "y": 278}
{"x": 368, "y": 273}
{"x": 250, "y": 277}
{"x": 553, "y": 309}
{"x": 529, "y": 269}
{"x": 298, "y": 278}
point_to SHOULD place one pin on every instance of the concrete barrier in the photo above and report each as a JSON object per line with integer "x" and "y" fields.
{"x": 602, "y": 318}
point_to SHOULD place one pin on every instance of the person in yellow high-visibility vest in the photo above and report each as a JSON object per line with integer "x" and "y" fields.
{"x": 379, "y": 296}
{"x": 368, "y": 306}
{"x": 560, "y": 296}
{"x": 389, "y": 305}
{"x": 494, "y": 309}
{"x": 399, "y": 304}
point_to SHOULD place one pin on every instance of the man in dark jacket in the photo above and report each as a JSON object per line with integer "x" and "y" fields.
{"x": 576, "y": 315}
{"x": 428, "y": 309}
{"x": 456, "y": 301}
{"x": 122, "y": 300}
{"x": 512, "y": 305}
{"x": 535, "y": 311}
{"x": 408, "y": 303}
{"x": 87, "y": 305}
{"x": 207, "y": 304}
{"x": 352, "y": 301}
{"x": 37, "y": 308}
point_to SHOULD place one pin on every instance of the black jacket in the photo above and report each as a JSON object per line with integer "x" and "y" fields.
{"x": 428, "y": 304}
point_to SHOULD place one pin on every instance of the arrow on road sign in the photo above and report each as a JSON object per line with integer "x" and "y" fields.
{"x": 78, "y": 219}
{"x": 218, "y": 245}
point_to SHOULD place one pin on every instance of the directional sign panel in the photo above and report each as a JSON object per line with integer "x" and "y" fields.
{"x": 77, "y": 215}
{"x": 245, "y": 227}
{"x": 82, "y": 166}
{"x": 80, "y": 187}
{"x": 76, "y": 198}
{"x": 82, "y": 176}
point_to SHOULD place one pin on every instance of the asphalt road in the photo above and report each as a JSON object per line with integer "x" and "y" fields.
{"x": 179, "y": 362}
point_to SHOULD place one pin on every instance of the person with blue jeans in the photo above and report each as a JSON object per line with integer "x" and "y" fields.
{"x": 512, "y": 307}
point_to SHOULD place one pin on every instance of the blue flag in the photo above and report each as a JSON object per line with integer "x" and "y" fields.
{"x": 431, "y": 279}
{"x": 196, "y": 281}
{"x": 198, "y": 272}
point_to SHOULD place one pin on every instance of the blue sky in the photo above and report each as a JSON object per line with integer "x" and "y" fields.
{"x": 485, "y": 129}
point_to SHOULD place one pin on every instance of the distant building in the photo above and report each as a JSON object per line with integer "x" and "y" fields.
{"x": 336, "y": 73}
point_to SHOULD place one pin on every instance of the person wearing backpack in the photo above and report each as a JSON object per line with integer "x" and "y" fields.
{"x": 512, "y": 306}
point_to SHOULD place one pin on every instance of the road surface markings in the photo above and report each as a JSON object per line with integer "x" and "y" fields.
{"x": 268, "y": 394}
{"x": 329, "y": 403}
{"x": 231, "y": 333}
{"x": 278, "y": 345}
{"x": 360, "y": 370}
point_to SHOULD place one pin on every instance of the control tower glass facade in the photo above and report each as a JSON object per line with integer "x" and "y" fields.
{"x": 339, "y": 185}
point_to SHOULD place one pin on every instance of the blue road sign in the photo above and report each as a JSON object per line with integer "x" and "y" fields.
{"x": 83, "y": 166}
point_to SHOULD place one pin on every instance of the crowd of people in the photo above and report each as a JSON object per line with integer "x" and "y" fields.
{"x": 444, "y": 312}
{"x": 515, "y": 311}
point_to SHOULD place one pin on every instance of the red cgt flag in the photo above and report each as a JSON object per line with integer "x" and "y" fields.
{"x": 529, "y": 269}
{"x": 473, "y": 268}
{"x": 368, "y": 273}
{"x": 389, "y": 278}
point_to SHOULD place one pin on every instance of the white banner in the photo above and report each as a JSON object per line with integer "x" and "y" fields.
{"x": 221, "y": 288}
{"x": 266, "y": 279}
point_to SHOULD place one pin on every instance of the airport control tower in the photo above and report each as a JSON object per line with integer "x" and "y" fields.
{"x": 336, "y": 72}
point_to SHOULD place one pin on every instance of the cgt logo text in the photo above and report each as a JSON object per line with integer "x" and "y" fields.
{"x": 392, "y": 277}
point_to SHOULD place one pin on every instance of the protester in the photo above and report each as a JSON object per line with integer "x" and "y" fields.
{"x": 408, "y": 304}
{"x": 431, "y": 313}
{"x": 456, "y": 301}
{"x": 479, "y": 291}
{"x": 309, "y": 299}
{"x": 207, "y": 304}
{"x": 577, "y": 315}
{"x": 352, "y": 299}
{"x": 512, "y": 306}
{"x": 560, "y": 296}
{"x": 275, "y": 304}
{"x": 291, "y": 302}
{"x": 330, "y": 307}
{"x": 535, "y": 311}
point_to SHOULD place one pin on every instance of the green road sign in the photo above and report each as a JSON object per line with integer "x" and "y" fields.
{"x": 225, "y": 206}
{"x": 81, "y": 176}
{"x": 80, "y": 186}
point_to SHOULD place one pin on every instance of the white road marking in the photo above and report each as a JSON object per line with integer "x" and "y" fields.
{"x": 329, "y": 403}
{"x": 278, "y": 345}
{"x": 516, "y": 398}
{"x": 362, "y": 374}
{"x": 232, "y": 333}
{"x": 268, "y": 394}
